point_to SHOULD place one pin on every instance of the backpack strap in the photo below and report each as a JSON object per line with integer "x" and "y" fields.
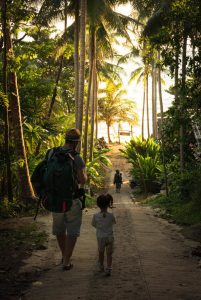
{"x": 50, "y": 153}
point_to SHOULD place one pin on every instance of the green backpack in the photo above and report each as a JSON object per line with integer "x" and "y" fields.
{"x": 58, "y": 182}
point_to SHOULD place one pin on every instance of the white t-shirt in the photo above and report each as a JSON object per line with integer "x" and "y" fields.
{"x": 103, "y": 222}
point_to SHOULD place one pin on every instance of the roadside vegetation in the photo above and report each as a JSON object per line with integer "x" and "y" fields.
{"x": 179, "y": 199}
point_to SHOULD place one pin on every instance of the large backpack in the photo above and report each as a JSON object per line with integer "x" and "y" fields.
{"x": 56, "y": 183}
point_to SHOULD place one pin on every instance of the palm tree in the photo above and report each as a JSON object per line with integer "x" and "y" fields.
{"x": 89, "y": 96}
{"x": 102, "y": 19}
{"x": 83, "y": 11}
{"x": 114, "y": 108}
{"x": 160, "y": 87}
{"x": 141, "y": 74}
{"x": 60, "y": 66}
{"x": 76, "y": 59}
{"x": 154, "y": 95}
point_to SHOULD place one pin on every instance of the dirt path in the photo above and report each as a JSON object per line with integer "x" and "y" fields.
{"x": 151, "y": 260}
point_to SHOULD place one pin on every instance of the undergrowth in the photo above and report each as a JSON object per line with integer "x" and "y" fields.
{"x": 185, "y": 213}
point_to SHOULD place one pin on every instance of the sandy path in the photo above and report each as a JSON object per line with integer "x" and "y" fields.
{"x": 151, "y": 259}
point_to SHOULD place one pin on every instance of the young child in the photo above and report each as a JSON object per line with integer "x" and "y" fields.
{"x": 103, "y": 222}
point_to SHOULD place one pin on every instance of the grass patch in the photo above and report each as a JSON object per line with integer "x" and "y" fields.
{"x": 182, "y": 213}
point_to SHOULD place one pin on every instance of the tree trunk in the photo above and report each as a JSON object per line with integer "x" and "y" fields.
{"x": 153, "y": 101}
{"x": 108, "y": 133}
{"x": 160, "y": 90}
{"x": 93, "y": 111}
{"x": 155, "y": 90}
{"x": 94, "y": 96}
{"x": 182, "y": 99}
{"x": 96, "y": 105}
{"x": 85, "y": 147}
{"x": 25, "y": 187}
{"x": 6, "y": 115}
{"x": 176, "y": 75}
{"x": 82, "y": 62}
{"x": 55, "y": 88}
{"x": 143, "y": 107}
{"x": 147, "y": 103}
{"x": 76, "y": 60}
{"x": 161, "y": 134}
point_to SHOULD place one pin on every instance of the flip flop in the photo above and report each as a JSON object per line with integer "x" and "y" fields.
{"x": 68, "y": 267}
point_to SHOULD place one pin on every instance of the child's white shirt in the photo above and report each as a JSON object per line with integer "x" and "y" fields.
{"x": 103, "y": 222}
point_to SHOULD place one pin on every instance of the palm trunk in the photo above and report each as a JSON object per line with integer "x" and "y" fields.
{"x": 93, "y": 112}
{"x": 155, "y": 90}
{"x": 55, "y": 88}
{"x": 183, "y": 91}
{"x": 108, "y": 133}
{"x": 160, "y": 90}
{"x": 161, "y": 134}
{"x": 143, "y": 107}
{"x": 153, "y": 101}
{"x": 85, "y": 147}
{"x": 147, "y": 103}
{"x": 93, "y": 96}
{"x": 96, "y": 105}
{"x": 6, "y": 115}
{"x": 25, "y": 187}
{"x": 76, "y": 61}
{"x": 82, "y": 62}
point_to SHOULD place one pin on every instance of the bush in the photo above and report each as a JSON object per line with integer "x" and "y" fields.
{"x": 186, "y": 187}
{"x": 146, "y": 163}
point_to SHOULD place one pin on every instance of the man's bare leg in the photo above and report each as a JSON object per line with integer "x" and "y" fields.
{"x": 69, "y": 247}
{"x": 61, "y": 240}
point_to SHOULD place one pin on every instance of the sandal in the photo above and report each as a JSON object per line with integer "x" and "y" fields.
{"x": 68, "y": 267}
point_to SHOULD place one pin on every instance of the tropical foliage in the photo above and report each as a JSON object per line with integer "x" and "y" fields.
{"x": 52, "y": 80}
{"x": 144, "y": 155}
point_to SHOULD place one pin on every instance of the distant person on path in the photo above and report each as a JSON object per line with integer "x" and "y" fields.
{"x": 118, "y": 181}
{"x": 66, "y": 225}
{"x": 103, "y": 221}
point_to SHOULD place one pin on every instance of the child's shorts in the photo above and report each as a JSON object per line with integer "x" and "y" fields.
{"x": 70, "y": 221}
{"x": 106, "y": 243}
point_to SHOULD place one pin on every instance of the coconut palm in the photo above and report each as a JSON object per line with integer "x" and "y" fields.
{"x": 141, "y": 74}
{"x": 102, "y": 20}
{"x": 113, "y": 107}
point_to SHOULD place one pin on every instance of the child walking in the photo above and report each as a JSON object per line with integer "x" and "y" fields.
{"x": 103, "y": 221}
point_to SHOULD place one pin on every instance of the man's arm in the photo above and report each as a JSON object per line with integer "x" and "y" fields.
{"x": 80, "y": 170}
{"x": 82, "y": 176}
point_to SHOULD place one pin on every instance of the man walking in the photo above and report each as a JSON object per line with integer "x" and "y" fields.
{"x": 66, "y": 225}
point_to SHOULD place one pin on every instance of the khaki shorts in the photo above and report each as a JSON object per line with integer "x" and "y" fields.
{"x": 69, "y": 222}
{"x": 106, "y": 243}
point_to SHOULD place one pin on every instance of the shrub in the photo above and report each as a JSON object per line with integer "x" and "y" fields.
{"x": 146, "y": 163}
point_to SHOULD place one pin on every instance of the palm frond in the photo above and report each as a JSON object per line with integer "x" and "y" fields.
{"x": 158, "y": 19}
{"x": 136, "y": 74}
